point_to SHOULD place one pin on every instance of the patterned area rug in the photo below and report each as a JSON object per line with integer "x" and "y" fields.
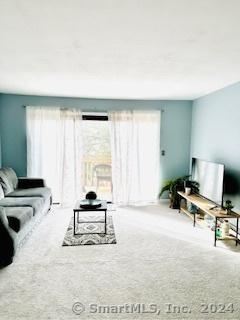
{"x": 90, "y": 227}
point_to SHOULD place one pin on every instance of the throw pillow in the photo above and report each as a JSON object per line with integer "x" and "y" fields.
{"x": 12, "y": 177}
{"x": 6, "y": 184}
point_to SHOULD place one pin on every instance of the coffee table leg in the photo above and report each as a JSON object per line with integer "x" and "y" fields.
{"x": 105, "y": 221}
{"x": 74, "y": 224}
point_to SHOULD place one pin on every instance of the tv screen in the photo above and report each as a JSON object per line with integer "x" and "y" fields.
{"x": 210, "y": 177}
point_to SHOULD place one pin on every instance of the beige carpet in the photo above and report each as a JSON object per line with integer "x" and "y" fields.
{"x": 159, "y": 259}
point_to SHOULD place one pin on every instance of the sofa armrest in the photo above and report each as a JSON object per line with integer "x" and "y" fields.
{"x": 7, "y": 248}
{"x": 26, "y": 183}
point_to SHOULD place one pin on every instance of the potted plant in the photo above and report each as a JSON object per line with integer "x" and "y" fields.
{"x": 175, "y": 185}
{"x": 193, "y": 185}
{"x": 228, "y": 206}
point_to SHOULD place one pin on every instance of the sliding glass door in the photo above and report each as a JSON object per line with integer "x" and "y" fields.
{"x": 97, "y": 167}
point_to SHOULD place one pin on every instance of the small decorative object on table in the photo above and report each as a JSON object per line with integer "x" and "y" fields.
{"x": 91, "y": 201}
{"x": 191, "y": 207}
{"x": 187, "y": 186}
{"x": 91, "y": 195}
{"x": 228, "y": 206}
{"x": 225, "y": 228}
{"x": 209, "y": 221}
{"x": 218, "y": 232}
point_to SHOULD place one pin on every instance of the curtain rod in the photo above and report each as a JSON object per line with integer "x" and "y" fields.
{"x": 67, "y": 108}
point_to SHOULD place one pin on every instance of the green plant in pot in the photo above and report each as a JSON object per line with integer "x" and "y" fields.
{"x": 175, "y": 185}
{"x": 193, "y": 185}
{"x": 228, "y": 206}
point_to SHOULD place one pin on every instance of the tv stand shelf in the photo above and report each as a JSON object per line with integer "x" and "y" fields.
{"x": 209, "y": 208}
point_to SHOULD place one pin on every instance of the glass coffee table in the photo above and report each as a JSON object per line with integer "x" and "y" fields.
{"x": 78, "y": 210}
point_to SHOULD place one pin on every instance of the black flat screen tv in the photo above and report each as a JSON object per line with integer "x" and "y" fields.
{"x": 210, "y": 176}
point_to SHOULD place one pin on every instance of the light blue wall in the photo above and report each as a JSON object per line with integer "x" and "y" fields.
{"x": 175, "y": 136}
{"x": 216, "y": 134}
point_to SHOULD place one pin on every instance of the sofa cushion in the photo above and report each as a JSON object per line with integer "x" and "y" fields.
{"x": 34, "y": 202}
{"x": 1, "y": 192}
{"x": 18, "y": 216}
{"x": 32, "y": 192}
{"x": 8, "y": 179}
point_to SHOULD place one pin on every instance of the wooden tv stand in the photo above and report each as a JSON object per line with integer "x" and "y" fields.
{"x": 208, "y": 207}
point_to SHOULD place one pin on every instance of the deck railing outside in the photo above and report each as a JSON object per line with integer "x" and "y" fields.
{"x": 100, "y": 182}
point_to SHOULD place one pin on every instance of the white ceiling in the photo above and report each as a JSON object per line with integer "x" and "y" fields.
{"x": 133, "y": 49}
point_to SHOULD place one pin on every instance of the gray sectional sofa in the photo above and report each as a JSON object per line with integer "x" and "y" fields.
{"x": 23, "y": 201}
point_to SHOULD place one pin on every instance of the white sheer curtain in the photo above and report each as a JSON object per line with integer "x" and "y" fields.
{"x": 54, "y": 150}
{"x": 135, "y": 144}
